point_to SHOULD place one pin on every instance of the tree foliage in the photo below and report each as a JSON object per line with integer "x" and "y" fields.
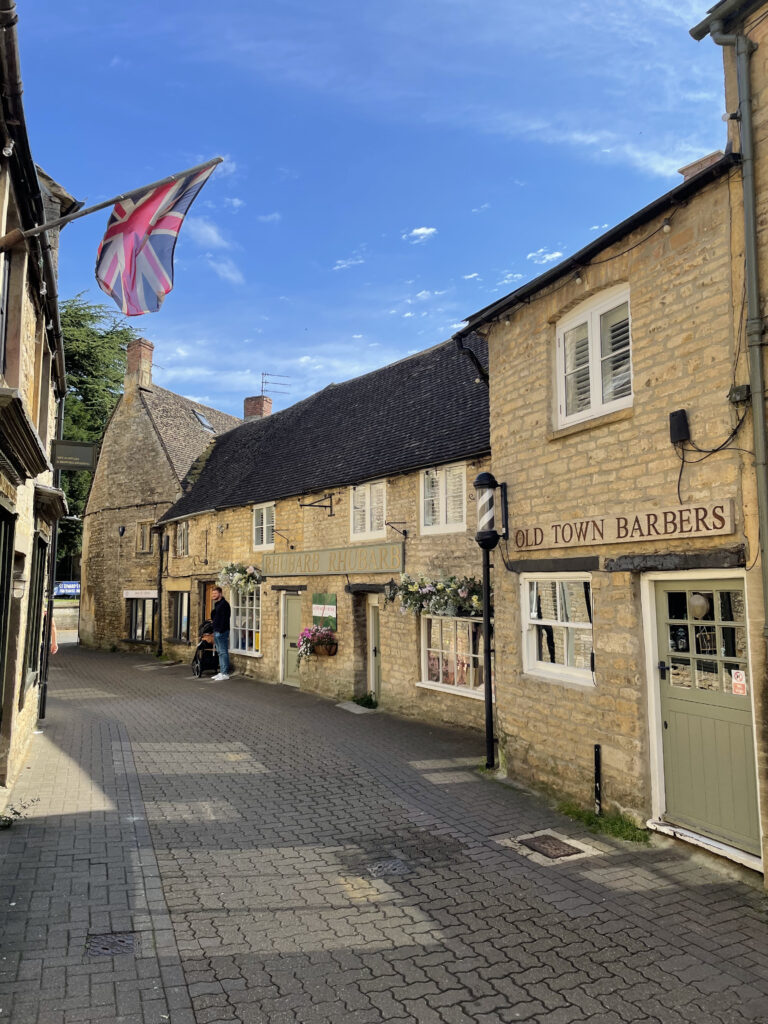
{"x": 95, "y": 340}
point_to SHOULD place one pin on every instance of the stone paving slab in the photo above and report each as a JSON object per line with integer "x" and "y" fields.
{"x": 277, "y": 861}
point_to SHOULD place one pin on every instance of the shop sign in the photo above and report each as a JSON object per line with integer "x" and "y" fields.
{"x": 629, "y": 527}
{"x": 367, "y": 558}
{"x": 74, "y": 454}
{"x": 139, "y": 593}
{"x": 324, "y": 610}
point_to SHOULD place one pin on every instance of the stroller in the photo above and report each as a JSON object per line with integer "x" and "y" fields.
{"x": 206, "y": 656}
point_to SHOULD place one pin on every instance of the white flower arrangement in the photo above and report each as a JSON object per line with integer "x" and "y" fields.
{"x": 245, "y": 578}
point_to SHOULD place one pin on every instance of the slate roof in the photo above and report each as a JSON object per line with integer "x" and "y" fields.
{"x": 181, "y": 433}
{"x": 425, "y": 410}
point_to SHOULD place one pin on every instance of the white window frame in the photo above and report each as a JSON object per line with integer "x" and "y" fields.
{"x": 589, "y": 312}
{"x": 543, "y": 669}
{"x": 140, "y": 549}
{"x": 263, "y": 512}
{"x": 364, "y": 490}
{"x": 442, "y": 476}
{"x": 476, "y": 691}
{"x": 179, "y": 613}
{"x": 141, "y": 616}
{"x": 182, "y": 539}
{"x": 242, "y": 635}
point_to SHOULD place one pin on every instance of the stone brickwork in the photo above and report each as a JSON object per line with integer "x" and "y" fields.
{"x": 226, "y": 536}
{"x": 687, "y": 348}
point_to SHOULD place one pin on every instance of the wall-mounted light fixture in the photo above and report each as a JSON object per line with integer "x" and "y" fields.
{"x": 19, "y": 584}
{"x": 390, "y": 590}
{"x": 121, "y": 530}
{"x": 666, "y": 227}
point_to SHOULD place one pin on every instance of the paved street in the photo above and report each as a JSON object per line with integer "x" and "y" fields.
{"x": 271, "y": 857}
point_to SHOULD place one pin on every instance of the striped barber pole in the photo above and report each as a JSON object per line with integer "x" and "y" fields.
{"x": 485, "y": 510}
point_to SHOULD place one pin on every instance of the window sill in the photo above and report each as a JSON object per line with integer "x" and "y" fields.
{"x": 459, "y": 691}
{"x": 597, "y": 421}
{"x": 178, "y": 640}
{"x": 130, "y": 640}
{"x": 245, "y": 654}
{"x": 569, "y": 679}
{"x": 362, "y": 538}
{"x": 264, "y": 548}
{"x": 431, "y": 531}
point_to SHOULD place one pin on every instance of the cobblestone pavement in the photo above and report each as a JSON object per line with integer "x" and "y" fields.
{"x": 274, "y": 858}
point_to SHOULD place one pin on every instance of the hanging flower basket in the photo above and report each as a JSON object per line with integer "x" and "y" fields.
{"x": 450, "y": 596}
{"x": 316, "y": 640}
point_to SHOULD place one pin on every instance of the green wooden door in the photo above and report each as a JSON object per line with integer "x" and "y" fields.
{"x": 374, "y": 650}
{"x": 706, "y": 711}
{"x": 291, "y": 630}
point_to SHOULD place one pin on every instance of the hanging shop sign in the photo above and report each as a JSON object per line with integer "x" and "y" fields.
{"x": 335, "y": 561}
{"x": 324, "y": 610}
{"x": 628, "y": 527}
{"x": 74, "y": 454}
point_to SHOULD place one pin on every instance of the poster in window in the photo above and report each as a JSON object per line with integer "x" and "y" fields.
{"x": 324, "y": 610}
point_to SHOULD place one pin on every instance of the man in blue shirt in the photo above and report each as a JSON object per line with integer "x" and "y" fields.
{"x": 220, "y": 613}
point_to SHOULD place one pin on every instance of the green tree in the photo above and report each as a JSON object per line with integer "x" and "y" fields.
{"x": 95, "y": 339}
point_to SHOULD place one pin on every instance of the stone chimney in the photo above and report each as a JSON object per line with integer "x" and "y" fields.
{"x": 138, "y": 367}
{"x": 700, "y": 165}
{"x": 257, "y": 407}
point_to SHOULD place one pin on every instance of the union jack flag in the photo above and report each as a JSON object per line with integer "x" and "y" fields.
{"x": 134, "y": 263}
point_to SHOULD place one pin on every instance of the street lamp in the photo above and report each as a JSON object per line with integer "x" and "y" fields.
{"x": 487, "y": 537}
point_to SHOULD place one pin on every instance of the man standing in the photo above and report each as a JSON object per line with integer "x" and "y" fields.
{"x": 220, "y": 613}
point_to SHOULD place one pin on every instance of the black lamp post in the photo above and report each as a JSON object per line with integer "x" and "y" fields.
{"x": 487, "y": 538}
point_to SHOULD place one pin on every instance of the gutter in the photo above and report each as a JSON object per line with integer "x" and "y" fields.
{"x": 720, "y": 13}
{"x": 744, "y": 48}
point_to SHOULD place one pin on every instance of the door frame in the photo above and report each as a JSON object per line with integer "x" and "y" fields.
{"x": 370, "y": 660}
{"x": 648, "y": 583}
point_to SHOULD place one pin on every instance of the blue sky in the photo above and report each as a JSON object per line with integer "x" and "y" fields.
{"x": 391, "y": 166}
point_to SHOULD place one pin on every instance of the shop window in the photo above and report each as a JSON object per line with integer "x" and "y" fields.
{"x": 141, "y": 618}
{"x": 452, "y": 653}
{"x": 144, "y": 538}
{"x": 368, "y": 511}
{"x": 245, "y": 627}
{"x": 557, "y": 627}
{"x": 182, "y": 539}
{"x": 180, "y": 616}
{"x": 594, "y": 358}
{"x": 443, "y": 500}
{"x": 263, "y": 527}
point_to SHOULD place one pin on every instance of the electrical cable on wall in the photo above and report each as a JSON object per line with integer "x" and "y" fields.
{"x": 705, "y": 453}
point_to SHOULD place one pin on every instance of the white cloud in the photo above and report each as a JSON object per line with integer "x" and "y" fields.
{"x": 226, "y": 269}
{"x": 423, "y": 295}
{"x": 270, "y": 218}
{"x": 205, "y": 233}
{"x": 234, "y": 203}
{"x": 541, "y": 256}
{"x": 357, "y": 335}
{"x": 481, "y": 208}
{"x": 407, "y": 315}
{"x": 350, "y": 261}
{"x": 227, "y": 167}
{"x": 419, "y": 235}
{"x": 181, "y": 351}
{"x": 459, "y": 326}
{"x": 509, "y": 278}
{"x": 598, "y": 227}
{"x": 472, "y": 277}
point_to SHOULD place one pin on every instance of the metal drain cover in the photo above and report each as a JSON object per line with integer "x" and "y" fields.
{"x": 550, "y": 846}
{"x": 110, "y": 944}
{"x": 393, "y": 866}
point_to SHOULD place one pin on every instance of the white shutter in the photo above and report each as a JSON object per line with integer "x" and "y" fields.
{"x": 431, "y": 497}
{"x": 377, "y": 507}
{"x": 258, "y": 527}
{"x": 454, "y": 495}
{"x": 359, "y": 509}
{"x": 269, "y": 525}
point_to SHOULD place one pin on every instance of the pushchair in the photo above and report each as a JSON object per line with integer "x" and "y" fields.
{"x": 206, "y": 656}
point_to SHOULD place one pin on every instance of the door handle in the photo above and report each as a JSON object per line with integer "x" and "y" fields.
{"x": 663, "y": 669}
{"x": 375, "y": 651}
{"x": 293, "y": 645}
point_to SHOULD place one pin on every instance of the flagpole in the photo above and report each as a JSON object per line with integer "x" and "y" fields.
{"x": 17, "y": 235}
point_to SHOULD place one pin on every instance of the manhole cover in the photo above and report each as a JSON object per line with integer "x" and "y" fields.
{"x": 550, "y": 846}
{"x": 110, "y": 944}
{"x": 393, "y": 866}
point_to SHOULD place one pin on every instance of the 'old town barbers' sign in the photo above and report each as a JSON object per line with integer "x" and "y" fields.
{"x": 627, "y": 527}
{"x": 335, "y": 561}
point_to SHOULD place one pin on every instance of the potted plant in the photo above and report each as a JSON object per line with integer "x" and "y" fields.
{"x": 316, "y": 640}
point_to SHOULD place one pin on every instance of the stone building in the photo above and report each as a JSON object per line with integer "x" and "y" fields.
{"x": 332, "y": 499}
{"x": 150, "y": 442}
{"x": 32, "y": 386}
{"x": 626, "y": 402}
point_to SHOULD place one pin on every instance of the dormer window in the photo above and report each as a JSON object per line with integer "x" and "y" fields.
{"x": 203, "y": 420}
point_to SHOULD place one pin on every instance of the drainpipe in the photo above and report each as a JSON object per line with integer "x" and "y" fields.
{"x": 160, "y": 542}
{"x": 744, "y": 49}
